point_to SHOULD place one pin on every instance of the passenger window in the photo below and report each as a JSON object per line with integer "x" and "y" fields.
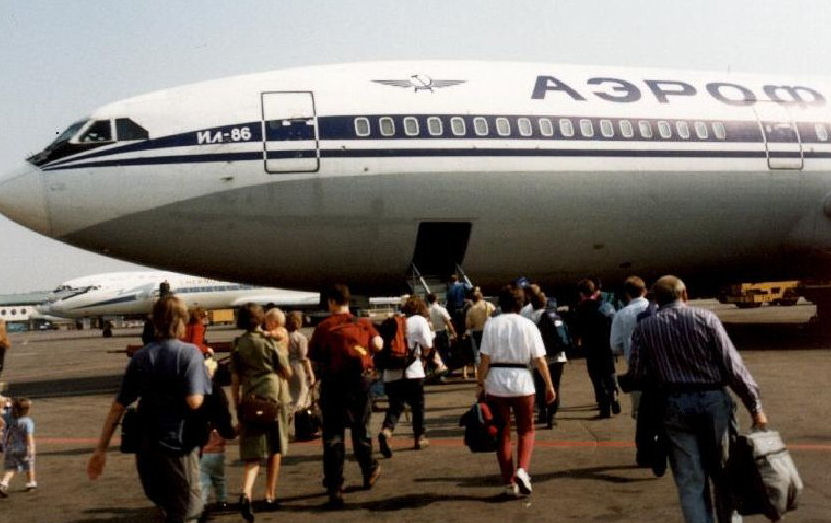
{"x": 387, "y": 126}
{"x": 626, "y": 128}
{"x": 480, "y": 126}
{"x": 566, "y": 127}
{"x": 546, "y": 127}
{"x": 606, "y": 128}
{"x": 411, "y": 126}
{"x": 664, "y": 129}
{"x": 434, "y": 126}
{"x": 719, "y": 131}
{"x": 100, "y": 131}
{"x": 645, "y": 129}
{"x": 701, "y": 130}
{"x": 586, "y": 128}
{"x": 128, "y": 130}
{"x": 524, "y": 125}
{"x": 683, "y": 129}
{"x": 457, "y": 125}
{"x": 362, "y": 126}
{"x": 822, "y": 132}
{"x": 503, "y": 127}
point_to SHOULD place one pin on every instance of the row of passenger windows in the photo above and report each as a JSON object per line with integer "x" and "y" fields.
{"x": 567, "y": 127}
{"x": 12, "y": 312}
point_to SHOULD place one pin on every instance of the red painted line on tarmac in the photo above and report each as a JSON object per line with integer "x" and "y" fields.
{"x": 442, "y": 442}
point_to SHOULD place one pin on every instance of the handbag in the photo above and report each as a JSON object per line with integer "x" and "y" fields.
{"x": 763, "y": 475}
{"x": 257, "y": 410}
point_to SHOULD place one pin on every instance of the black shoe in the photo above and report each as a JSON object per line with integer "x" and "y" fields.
{"x": 270, "y": 505}
{"x": 245, "y": 509}
{"x": 384, "y": 443}
{"x": 335, "y": 501}
{"x": 615, "y": 407}
{"x": 604, "y": 414}
{"x": 372, "y": 477}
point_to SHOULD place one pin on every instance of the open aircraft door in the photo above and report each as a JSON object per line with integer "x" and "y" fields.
{"x": 782, "y": 141}
{"x": 290, "y": 137}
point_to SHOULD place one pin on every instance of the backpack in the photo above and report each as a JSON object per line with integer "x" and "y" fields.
{"x": 481, "y": 428}
{"x": 554, "y": 333}
{"x": 350, "y": 353}
{"x": 395, "y": 354}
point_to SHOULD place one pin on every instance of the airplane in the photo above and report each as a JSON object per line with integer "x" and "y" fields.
{"x": 133, "y": 294}
{"x": 368, "y": 173}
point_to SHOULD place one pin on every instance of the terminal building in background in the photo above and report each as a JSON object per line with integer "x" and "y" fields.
{"x": 21, "y": 313}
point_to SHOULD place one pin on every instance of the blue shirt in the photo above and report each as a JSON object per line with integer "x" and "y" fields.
{"x": 18, "y": 431}
{"x": 623, "y": 324}
{"x": 163, "y": 374}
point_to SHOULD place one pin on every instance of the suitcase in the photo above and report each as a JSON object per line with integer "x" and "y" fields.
{"x": 763, "y": 475}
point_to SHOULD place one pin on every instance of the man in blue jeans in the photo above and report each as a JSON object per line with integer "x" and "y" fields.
{"x": 686, "y": 353}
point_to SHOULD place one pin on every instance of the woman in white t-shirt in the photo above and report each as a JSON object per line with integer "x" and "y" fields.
{"x": 511, "y": 344}
{"x": 407, "y": 385}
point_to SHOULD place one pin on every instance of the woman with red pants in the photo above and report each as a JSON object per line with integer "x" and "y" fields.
{"x": 510, "y": 345}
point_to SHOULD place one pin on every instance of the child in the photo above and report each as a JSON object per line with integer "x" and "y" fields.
{"x": 212, "y": 461}
{"x": 19, "y": 445}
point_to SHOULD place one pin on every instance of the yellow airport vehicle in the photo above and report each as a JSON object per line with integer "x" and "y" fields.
{"x": 748, "y": 295}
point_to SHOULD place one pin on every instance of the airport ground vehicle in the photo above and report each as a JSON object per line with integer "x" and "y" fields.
{"x": 748, "y": 295}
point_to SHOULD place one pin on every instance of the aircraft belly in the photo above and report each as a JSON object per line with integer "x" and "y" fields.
{"x": 555, "y": 226}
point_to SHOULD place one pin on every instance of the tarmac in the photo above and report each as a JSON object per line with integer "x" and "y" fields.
{"x": 582, "y": 470}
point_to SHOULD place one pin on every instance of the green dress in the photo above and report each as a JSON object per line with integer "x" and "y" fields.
{"x": 256, "y": 361}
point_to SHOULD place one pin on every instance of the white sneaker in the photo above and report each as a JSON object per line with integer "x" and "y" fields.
{"x": 31, "y": 485}
{"x": 511, "y": 490}
{"x": 523, "y": 481}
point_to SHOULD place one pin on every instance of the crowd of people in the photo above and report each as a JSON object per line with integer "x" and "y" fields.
{"x": 517, "y": 350}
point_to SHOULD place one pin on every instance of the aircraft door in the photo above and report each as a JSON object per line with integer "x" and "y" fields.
{"x": 782, "y": 141}
{"x": 290, "y": 137}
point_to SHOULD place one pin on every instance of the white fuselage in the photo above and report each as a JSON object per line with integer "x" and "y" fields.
{"x": 353, "y": 172}
{"x": 133, "y": 293}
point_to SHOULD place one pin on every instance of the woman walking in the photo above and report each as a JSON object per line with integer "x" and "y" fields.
{"x": 511, "y": 344}
{"x": 259, "y": 369}
{"x": 303, "y": 376}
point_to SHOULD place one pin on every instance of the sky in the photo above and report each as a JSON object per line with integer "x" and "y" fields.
{"x": 60, "y": 60}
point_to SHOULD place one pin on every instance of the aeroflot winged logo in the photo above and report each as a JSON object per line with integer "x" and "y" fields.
{"x": 420, "y": 82}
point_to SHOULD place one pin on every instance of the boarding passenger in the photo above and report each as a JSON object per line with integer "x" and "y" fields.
{"x": 512, "y": 344}
{"x": 407, "y": 385}
{"x": 442, "y": 325}
{"x": 456, "y": 293}
{"x": 302, "y": 377}
{"x": 195, "y": 330}
{"x": 342, "y": 347}
{"x": 219, "y": 429}
{"x": 686, "y": 352}
{"x": 4, "y": 343}
{"x": 475, "y": 320}
{"x": 529, "y": 291}
{"x": 18, "y": 444}
{"x": 260, "y": 369}
{"x": 552, "y": 330}
{"x": 623, "y": 324}
{"x": 170, "y": 380}
{"x": 593, "y": 323}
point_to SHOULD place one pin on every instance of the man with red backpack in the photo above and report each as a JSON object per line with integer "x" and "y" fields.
{"x": 342, "y": 346}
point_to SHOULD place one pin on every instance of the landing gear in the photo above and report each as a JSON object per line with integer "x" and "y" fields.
{"x": 820, "y": 295}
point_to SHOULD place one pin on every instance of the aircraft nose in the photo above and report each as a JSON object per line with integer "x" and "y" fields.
{"x": 23, "y": 199}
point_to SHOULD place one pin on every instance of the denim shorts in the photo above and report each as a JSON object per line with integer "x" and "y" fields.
{"x": 18, "y": 462}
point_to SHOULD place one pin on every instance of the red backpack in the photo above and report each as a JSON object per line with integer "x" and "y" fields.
{"x": 350, "y": 353}
{"x": 395, "y": 354}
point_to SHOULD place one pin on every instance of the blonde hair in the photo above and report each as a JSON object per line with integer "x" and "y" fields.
{"x": 169, "y": 317}
{"x": 294, "y": 321}
{"x": 276, "y": 315}
{"x": 197, "y": 314}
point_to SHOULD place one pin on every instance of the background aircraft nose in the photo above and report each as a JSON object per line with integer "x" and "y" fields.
{"x": 23, "y": 200}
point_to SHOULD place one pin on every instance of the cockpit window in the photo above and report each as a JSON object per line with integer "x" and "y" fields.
{"x": 69, "y": 132}
{"x": 127, "y": 130}
{"x": 99, "y": 131}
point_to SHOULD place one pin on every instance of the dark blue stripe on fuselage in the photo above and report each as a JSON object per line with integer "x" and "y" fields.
{"x": 113, "y": 301}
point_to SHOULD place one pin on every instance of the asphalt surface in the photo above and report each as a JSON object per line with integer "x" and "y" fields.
{"x": 583, "y": 470}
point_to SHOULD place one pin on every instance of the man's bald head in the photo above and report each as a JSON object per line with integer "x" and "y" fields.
{"x": 669, "y": 289}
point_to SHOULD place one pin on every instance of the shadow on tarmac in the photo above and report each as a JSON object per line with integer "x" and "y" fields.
{"x": 120, "y": 515}
{"x": 66, "y": 387}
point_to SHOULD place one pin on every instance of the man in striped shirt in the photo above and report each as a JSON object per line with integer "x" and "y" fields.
{"x": 686, "y": 353}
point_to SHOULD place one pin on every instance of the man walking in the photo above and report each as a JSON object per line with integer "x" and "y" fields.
{"x": 686, "y": 352}
{"x": 593, "y": 322}
{"x": 342, "y": 346}
{"x": 623, "y": 324}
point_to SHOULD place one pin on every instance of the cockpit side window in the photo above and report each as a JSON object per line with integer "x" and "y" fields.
{"x": 98, "y": 131}
{"x": 128, "y": 130}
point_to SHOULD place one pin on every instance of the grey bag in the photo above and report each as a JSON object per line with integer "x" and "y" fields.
{"x": 763, "y": 475}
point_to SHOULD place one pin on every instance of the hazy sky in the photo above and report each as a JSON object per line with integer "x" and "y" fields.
{"x": 60, "y": 60}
